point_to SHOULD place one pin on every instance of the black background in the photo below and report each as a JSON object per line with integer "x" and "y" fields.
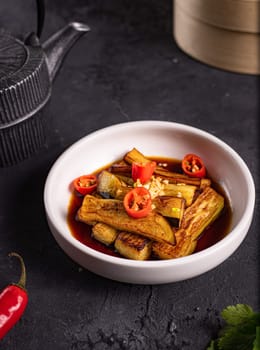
{"x": 127, "y": 68}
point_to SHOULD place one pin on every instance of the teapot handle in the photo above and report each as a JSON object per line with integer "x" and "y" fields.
{"x": 40, "y": 16}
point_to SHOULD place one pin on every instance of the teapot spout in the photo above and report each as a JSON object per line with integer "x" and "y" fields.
{"x": 59, "y": 44}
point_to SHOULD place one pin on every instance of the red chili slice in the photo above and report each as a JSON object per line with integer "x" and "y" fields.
{"x": 85, "y": 184}
{"x": 143, "y": 171}
{"x": 138, "y": 202}
{"x": 13, "y": 301}
{"x": 193, "y": 166}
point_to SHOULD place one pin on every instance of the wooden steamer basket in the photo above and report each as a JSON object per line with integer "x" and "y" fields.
{"x": 222, "y": 33}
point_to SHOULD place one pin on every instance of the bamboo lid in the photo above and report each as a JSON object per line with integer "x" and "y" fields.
{"x": 236, "y": 51}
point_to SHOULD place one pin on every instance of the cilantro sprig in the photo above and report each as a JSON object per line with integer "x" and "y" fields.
{"x": 241, "y": 330}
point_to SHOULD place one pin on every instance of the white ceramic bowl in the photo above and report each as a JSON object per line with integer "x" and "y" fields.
{"x": 154, "y": 138}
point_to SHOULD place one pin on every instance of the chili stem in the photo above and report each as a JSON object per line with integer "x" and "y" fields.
{"x": 22, "y": 281}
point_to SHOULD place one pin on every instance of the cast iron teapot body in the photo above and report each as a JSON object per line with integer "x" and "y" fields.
{"x": 27, "y": 70}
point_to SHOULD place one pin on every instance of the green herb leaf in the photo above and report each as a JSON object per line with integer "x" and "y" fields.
{"x": 213, "y": 345}
{"x": 241, "y": 331}
{"x": 237, "y": 314}
{"x": 257, "y": 339}
{"x": 239, "y": 337}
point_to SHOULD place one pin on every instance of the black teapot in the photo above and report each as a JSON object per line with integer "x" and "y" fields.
{"x": 27, "y": 70}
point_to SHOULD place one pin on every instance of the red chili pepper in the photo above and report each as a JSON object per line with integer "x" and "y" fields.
{"x": 143, "y": 171}
{"x": 138, "y": 202}
{"x": 13, "y": 301}
{"x": 193, "y": 166}
{"x": 85, "y": 184}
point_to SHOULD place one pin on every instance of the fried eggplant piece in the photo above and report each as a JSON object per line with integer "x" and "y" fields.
{"x": 134, "y": 156}
{"x": 121, "y": 168}
{"x": 133, "y": 246}
{"x": 172, "y": 207}
{"x": 185, "y": 246}
{"x": 195, "y": 220}
{"x": 188, "y": 192}
{"x": 176, "y": 178}
{"x": 205, "y": 183}
{"x": 126, "y": 179}
{"x": 112, "y": 213}
{"x": 110, "y": 186}
{"x": 202, "y": 212}
{"x": 104, "y": 233}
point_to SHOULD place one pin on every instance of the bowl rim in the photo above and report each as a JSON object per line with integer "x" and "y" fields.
{"x": 244, "y": 221}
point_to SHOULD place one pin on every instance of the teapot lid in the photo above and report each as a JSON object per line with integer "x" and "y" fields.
{"x": 24, "y": 78}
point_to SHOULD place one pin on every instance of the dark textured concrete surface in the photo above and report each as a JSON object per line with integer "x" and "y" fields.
{"x": 127, "y": 68}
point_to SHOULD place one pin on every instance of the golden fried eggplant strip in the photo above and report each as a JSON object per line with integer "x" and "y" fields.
{"x": 112, "y": 212}
{"x": 188, "y": 192}
{"x": 121, "y": 168}
{"x": 104, "y": 233}
{"x": 110, "y": 186}
{"x": 196, "y": 218}
{"x": 133, "y": 246}
{"x": 135, "y": 156}
{"x": 185, "y": 246}
{"x": 202, "y": 212}
{"x": 176, "y": 178}
{"x": 172, "y": 207}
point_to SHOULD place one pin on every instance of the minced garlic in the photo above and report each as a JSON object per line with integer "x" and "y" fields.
{"x": 155, "y": 186}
